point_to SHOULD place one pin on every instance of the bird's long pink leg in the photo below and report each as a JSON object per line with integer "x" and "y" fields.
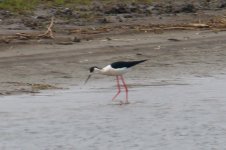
{"x": 118, "y": 87}
{"x": 124, "y": 84}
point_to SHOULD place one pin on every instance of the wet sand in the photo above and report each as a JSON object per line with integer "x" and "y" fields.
{"x": 177, "y": 98}
{"x": 186, "y": 113}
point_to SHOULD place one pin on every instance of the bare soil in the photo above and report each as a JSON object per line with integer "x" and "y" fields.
{"x": 30, "y": 63}
{"x": 29, "y": 68}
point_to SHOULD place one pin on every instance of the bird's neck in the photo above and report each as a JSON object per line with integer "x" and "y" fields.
{"x": 98, "y": 70}
{"x": 103, "y": 71}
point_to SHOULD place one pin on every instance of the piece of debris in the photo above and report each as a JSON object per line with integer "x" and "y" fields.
{"x": 49, "y": 32}
{"x": 199, "y": 25}
{"x": 37, "y": 86}
{"x": 158, "y": 47}
{"x": 109, "y": 39}
{"x": 64, "y": 43}
{"x": 175, "y": 40}
{"x": 76, "y": 39}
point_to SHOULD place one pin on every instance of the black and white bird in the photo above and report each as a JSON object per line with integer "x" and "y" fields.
{"x": 116, "y": 69}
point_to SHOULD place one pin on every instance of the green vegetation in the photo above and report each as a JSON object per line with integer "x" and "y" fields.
{"x": 18, "y": 5}
{"x": 28, "y": 5}
{"x": 88, "y": 2}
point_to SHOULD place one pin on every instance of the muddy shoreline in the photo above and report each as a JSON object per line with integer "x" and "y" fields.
{"x": 77, "y": 23}
{"x": 31, "y": 68}
{"x": 30, "y": 63}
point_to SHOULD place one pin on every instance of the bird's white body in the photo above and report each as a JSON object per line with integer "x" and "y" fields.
{"x": 108, "y": 70}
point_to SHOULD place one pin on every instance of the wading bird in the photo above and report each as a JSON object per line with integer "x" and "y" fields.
{"x": 115, "y": 69}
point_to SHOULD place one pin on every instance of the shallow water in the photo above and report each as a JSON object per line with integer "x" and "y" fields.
{"x": 187, "y": 113}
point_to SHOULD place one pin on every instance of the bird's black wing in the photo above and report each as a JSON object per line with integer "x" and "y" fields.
{"x": 128, "y": 64}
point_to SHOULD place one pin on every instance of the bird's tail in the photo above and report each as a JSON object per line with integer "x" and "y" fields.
{"x": 133, "y": 63}
{"x": 140, "y": 61}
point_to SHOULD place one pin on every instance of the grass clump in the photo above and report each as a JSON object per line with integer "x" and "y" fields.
{"x": 88, "y": 2}
{"x": 18, "y": 5}
{"x": 29, "y": 5}
{"x": 69, "y": 2}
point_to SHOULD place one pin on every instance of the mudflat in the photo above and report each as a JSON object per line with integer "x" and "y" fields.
{"x": 173, "y": 35}
{"x": 33, "y": 67}
{"x": 177, "y": 97}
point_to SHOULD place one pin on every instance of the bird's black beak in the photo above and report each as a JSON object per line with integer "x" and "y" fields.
{"x": 87, "y": 79}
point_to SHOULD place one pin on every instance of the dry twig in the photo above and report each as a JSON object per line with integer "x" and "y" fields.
{"x": 49, "y": 32}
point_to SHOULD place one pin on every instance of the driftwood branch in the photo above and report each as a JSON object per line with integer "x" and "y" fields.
{"x": 49, "y": 32}
{"x": 28, "y": 36}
